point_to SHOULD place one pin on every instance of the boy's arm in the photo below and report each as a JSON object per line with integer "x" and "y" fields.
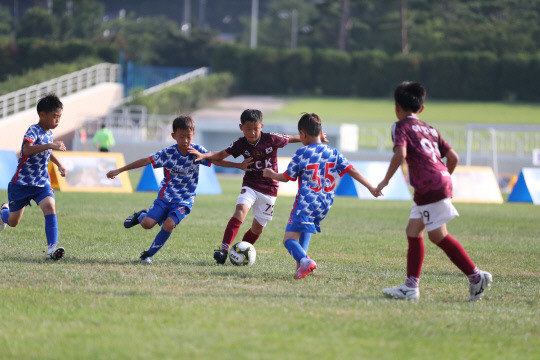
{"x": 61, "y": 167}
{"x": 134, "y": 165}
{"x": 452, "y": 159}
{"x": 400, "y": 153}
{"x": 212, "y": 155}
{"x": 244, "y": 165}
{"x": 355, "y": 174}
{"x": 31, "y": 149}
{"x": 269, "y": 173}
{"x": 296, "y": 138}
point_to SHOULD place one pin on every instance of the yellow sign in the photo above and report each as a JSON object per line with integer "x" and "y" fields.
{"x": 87, "y": 172}
{"x": 475, "y": 184}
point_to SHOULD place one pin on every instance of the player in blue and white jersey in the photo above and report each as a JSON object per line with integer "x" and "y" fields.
{"x": 316, "y": 166}
{"x": 178, "y": 187}
{"x": 31, "y": 180}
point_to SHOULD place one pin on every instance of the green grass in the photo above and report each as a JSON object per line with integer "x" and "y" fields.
{"x": 339, "y": 110}
{"x": 99, "y": 302}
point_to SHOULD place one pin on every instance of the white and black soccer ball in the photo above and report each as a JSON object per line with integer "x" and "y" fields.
{"x": 242, "y": 254}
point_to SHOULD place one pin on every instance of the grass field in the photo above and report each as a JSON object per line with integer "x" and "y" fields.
{"x": 338, "y": 110}
{"x": 100, "y": 303}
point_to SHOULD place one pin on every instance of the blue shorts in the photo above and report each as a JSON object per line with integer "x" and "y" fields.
{"x": 161, "y": 210}
{"x": 20, "y": 195}
{"x": 303, "y": 224}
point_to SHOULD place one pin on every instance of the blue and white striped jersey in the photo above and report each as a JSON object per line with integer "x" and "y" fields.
{"x": 317, "y": 167}
{"x": 181, "y": 174}
{"x": 33, "y": 170}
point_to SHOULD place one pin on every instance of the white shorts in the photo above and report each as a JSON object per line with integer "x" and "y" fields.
{"x": 262, "y": 205}
{"x": 435, "y": 214}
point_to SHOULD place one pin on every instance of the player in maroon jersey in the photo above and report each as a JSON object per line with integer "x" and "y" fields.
{"x": 423, "y": 148}
{"x": 257, "y": 192}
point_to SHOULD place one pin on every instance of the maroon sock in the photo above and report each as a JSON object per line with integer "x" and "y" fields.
{"x": 230, "y": 233}
{"x": 250, "y": 237}
{"x": 457, "y": 254}
{"x": 415, "y": 256}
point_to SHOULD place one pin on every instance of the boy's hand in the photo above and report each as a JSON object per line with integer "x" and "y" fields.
{"x": 58, "y": 145}
{"x": 198, "y": 155}
{"x": 113, "y": 173}
{"x": 62, "y": 170}
{"x": 323, "y": 137}
{"x": 375, "y": 192}
{"x": 381, "y": 185}
{"x": 246, "y": 163}
{"x": 267, "y": 172}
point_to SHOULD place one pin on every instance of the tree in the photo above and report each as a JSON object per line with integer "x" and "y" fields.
{"x": 37, "y": 22}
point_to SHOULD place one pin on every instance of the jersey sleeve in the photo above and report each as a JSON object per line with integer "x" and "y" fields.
{"x": 235, "y": 149}
{"x": 279, "y": 140}
{"x": 31, "y": 135}
{"x": 293, "y": 169}
{"x": 398, "y": 135}
{"x": 158, "y": 159}
{"x": 342, "y": 164}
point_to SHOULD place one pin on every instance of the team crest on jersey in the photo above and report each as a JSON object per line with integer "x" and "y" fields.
{"x": 269, "y": 150}
{"x": 246, "y": 153}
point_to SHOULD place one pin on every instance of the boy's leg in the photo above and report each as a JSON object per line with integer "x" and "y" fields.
{"x": 47, "y": 205}
{"x": 253, "y": 234}
{"x": 163, "y": 235}
{"x": 415, "y": 258}
{"x": 291, "y": 243}
{"x": 478, "y": 280}
{"x": 220, "y": 255}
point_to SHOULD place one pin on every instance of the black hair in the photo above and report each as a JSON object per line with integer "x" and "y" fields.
{"x": 183, "y": 122}
{"x": 251, "y": 115}
{"x": 311, "y": 124}
{"x": 49, "y": 103}
{"x": 410, "y": 95}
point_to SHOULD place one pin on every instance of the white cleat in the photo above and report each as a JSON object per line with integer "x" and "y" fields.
{"x": 56, "y": 253}
{"x": 402, "y": 292}
{"x": 477, "y": 290}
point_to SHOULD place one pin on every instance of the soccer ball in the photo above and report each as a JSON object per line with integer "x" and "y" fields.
{"x": 242, "y": 253}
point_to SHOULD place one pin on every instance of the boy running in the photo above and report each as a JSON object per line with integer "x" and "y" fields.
{"x": 31, "y": 180}
{"x": 423, "y": 148}
{"x": 178, "y": 188}
{"x": 257, "y": 192}
{"x": 316, "y": 166}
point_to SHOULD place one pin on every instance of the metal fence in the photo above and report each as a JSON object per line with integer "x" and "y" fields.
{"x": 27, "y": 98}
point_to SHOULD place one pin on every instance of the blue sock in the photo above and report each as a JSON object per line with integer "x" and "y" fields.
{"x": 304, "y": 240}
{"x": 159, "y": 241}
{"x": 295, "y": 249}
{"x": 5, "y": 215}
{"x": 142, "y": 216}
{"x": 51, "y": 229}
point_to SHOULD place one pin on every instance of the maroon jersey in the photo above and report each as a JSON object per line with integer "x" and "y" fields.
{"x": 264, "y": 154}
{"x": 428, "y": 175}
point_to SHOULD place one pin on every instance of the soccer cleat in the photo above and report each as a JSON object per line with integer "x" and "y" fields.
{"x": 477, "y": 290}
{"x": 133, "y": 219}
{"x": 56, "y": 254}
{"x": 402, "y": 292}
{"x": 146, "y": 258}
{"x": 2, "y": 223}
{"x": 220, "y": 256}
{"x": 306, "y": 267}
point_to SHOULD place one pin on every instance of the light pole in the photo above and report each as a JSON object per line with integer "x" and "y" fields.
{"x": 293, "y": 14}
{"x": 254, "y": 23}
